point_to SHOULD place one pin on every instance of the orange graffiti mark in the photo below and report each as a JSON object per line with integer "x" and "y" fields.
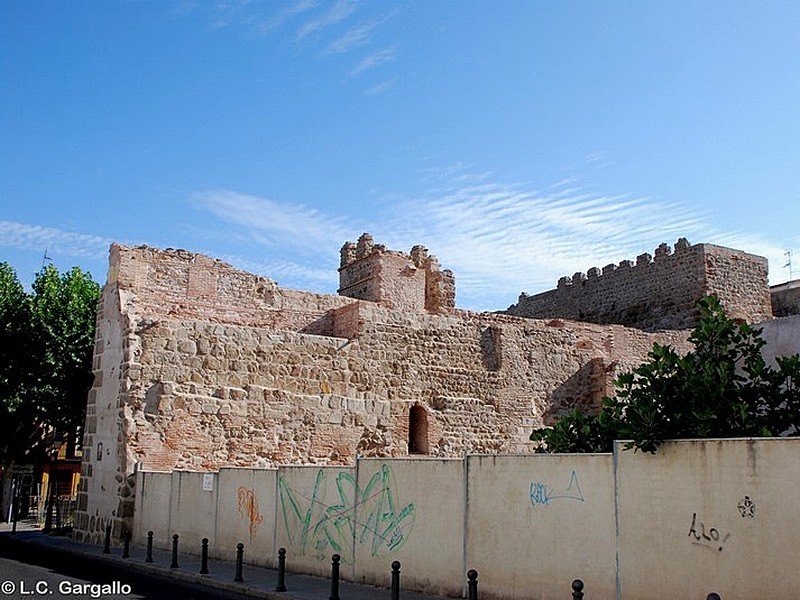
{"x": 248, "y": 508}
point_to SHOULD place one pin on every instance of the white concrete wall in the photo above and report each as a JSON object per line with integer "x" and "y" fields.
{"x": 535, "y": 523}
{"x": 710, "y": 516}
{"x": 246, "y": 514}
{"x": 697, "y": 517}
{"x": 193, "y": 509}
{"x": 401, "y": 507}
{"x": 153, "y": 501}
{"x": 312, "y": 518}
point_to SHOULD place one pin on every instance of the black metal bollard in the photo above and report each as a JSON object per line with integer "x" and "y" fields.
{"x": 713, "y": 596}
{"x": 149, "y": 557}
{"x": 204, "y": 557}
{"x": 239, "y": 560}
{"x": 126, "y": 547}
{"x": 577, "y": 590}
{"x": 14, "y": 511}
{"x": 48, "y": 511}
{"x": 472, "y": 584}
{"x": 174, "y": 564}
{"x": 396, "y": 580}
{"x": 107, "y": 543}
{"x": 281, "y": 587}
{"x": 335, "y": 577}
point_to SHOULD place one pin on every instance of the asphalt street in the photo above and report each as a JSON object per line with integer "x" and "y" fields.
{"x": 32, "y": 572}
{"x": 35, "y": 565}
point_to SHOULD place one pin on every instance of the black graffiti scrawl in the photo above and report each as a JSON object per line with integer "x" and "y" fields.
{"x": 710, "y": 537}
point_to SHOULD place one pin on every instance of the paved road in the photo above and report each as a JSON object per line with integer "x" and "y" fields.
{"x": 24, "y": 581}
{"x": 156, "y": 580}
{"x": 33, "y": 573}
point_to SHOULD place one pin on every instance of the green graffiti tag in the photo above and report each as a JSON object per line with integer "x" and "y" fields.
{"x": 370, "y": 515}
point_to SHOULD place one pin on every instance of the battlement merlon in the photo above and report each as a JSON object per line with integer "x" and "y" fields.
{"x": 409, "y": 281}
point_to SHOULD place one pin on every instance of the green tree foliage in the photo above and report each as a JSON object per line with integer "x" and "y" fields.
{"x": 63, "y": 313}
{"x": 46, "y": 347}
{"x": 17, "y": 421}
{"x": 722, "y": 388}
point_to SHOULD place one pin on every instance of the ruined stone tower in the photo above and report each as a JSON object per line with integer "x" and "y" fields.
{"x": 409, "y": 282}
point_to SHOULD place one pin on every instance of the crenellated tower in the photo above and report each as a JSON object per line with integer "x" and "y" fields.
{"x": 405, "y": 281}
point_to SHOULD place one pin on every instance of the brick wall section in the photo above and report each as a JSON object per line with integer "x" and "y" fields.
{"x": 786, "y": 299}
{"x": 191, "y": 375}
{"x": 660, "y": 292}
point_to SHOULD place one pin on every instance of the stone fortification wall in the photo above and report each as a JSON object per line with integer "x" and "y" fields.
{"x": 248, "y": 374}
{"x": 786, "y": 298}
{"x": 146, "y": 285}
{"x": 740, "y": 280}
{"x": 409, "y": 282}
{"x": 658, "y": 292}
{"x": 182, "y": 284}
{"x": 211, "y": 395}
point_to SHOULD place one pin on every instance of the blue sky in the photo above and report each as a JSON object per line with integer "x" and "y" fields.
{"x": 518, "y": 141}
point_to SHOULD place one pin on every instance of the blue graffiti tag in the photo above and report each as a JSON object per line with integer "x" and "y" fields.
{"x": 542, "y": 494}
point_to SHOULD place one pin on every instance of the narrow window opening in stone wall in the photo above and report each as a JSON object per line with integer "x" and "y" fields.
{"x": 491, "y": 348}
{"x": 417, "y": 430}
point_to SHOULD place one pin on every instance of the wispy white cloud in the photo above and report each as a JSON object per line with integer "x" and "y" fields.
{"x": 286, "y": 13}
{"x": 358, "y": 35}
{"x": 501, "y": 239}
{"x": 498, "y": 238}
{"x": 254, "y": 14}
{"x": 337, "y": 13}
{"x": 287, "y": 273}
{"x": 380, "y": 87}
{"x": 182, "y": 8}
{"x": 24, "y": 236}
{"x": 453, "y": 174}
{"x": 300, "y": 245}
{"x": 275, "y": 224}
{"x": 375, "y": 59}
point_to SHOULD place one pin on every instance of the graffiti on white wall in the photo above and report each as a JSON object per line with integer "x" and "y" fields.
{"x": 543, "y": 494}
{"x": 705, "y": 536}
{"x": 248, "y": 508}
{"x": 747, "y": 508}
{"x": 372, "y": 515}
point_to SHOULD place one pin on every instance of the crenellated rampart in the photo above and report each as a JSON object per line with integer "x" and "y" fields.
{"x": 658, "y": 292}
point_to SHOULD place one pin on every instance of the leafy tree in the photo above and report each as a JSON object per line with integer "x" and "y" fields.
{"x": 17, "y": 422}
{"x": 63, "y": 313}
{"x": 723, "y": 388}
{"x": 46, "y": 348}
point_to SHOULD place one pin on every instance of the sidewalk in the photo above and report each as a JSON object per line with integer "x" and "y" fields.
{"x": 259, "y": 582}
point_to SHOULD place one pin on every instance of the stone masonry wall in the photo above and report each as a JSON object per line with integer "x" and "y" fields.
{"x": 200, "y": 369}
{"x": 658, "y": 293}
{"x": 740, "y": 280}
